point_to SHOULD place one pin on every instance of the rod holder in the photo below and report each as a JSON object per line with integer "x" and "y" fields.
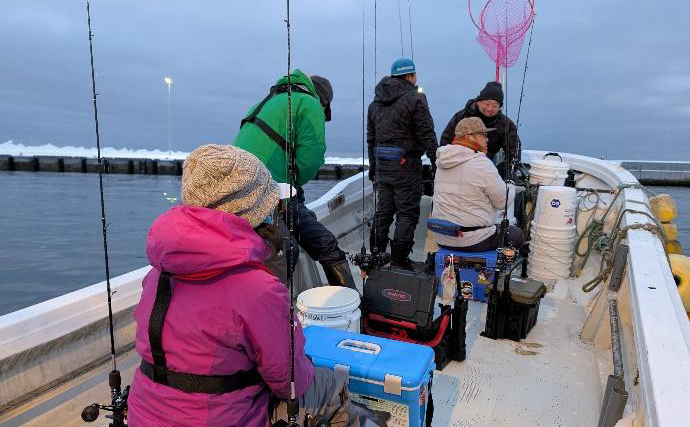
{"x": 615, "y": 398}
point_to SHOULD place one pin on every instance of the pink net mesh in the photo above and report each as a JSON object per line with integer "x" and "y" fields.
{"x": 502, "y": 27}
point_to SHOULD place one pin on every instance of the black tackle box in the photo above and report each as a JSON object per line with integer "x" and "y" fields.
{"x": 523, "y": 311}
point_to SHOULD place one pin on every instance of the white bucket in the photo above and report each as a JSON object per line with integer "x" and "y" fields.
{"x": 555, "y": 207}
{"x": 546, "y": 271}
{"x": 334, "y": 307}
{"x": 552, "y": 258}
{"x": 548, "y": 172}
{"x": 558, "y": 233}
{"x": 556, "y": 251}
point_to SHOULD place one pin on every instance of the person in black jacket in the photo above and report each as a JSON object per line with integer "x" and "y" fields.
{"x": 399, "y": 131}
{"x": 487, "y": 106}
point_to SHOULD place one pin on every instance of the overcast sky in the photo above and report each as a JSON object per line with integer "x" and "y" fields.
{"x": 606, "y": 77}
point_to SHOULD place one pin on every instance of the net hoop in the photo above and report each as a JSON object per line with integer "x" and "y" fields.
{"x": 517, "y": 32}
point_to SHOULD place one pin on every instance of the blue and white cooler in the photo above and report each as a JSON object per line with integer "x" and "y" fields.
{"x": 385, "y": 375}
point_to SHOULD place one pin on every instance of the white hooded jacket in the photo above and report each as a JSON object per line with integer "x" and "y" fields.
{"x": 467, "y": 191}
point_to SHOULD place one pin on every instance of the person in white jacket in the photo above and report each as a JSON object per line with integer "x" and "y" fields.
{"x": 468, "y": 191}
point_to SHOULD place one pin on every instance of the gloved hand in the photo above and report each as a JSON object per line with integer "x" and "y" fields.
{"x": 372, "y": 174}
{"x": 327, "y": 396}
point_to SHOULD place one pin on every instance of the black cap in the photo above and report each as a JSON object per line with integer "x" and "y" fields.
{"x": 325, "y": 92}
{"x": 492, "y": 90}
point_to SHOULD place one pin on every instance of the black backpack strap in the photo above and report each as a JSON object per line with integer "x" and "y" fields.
{"x": 156, "y": 321}
{"x": 190, "y": 383}
{"x": 253, "y": 117}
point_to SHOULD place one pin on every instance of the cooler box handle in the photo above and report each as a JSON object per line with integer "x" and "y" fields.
{"x": 359, "y": 346}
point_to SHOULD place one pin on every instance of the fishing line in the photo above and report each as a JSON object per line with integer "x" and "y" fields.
{"x": 100, "y": 187}
{"x": 375, "y": 45}
{"x": 402, "y": 45}
{"x": 409, "y": 18}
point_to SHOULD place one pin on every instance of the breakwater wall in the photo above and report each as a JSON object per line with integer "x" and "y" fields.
{"x": 132, "y": 166}
{"x": 647, "y": 172}
{"x": 658, "y": 172}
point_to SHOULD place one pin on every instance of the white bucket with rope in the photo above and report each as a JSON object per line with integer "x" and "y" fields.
{"x": 548, "y": 172}
{"x": 555, "y": 207}
{"x": 548, "y": 270}
{"x": 553, "y": 232}
{"x": 563, "y": 249}
{"x": 334, "y": 307}
{"x": 550, "y": 255}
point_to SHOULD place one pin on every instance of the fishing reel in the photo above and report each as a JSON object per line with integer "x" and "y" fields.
{"x": 118, "y": 407}
{"x": 366, "y": 262}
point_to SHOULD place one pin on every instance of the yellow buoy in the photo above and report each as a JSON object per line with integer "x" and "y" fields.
{"x": 674, "y": 247}
{"x": 680, "y": 267}
{"x": 670, "y": 231}
{"x": 663, "y": 207}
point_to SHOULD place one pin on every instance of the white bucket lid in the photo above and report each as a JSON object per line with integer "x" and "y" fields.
{"x": 328, "y": 299}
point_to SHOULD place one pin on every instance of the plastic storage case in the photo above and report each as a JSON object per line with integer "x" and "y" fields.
{"x": 525, "y": 296}
{"x": 401, "y": 295}
{"x": 387, "y": 375}
{"x": 472, "y": 265}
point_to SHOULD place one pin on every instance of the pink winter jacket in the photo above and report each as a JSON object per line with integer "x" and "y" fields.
{"x": 226, "y": 314}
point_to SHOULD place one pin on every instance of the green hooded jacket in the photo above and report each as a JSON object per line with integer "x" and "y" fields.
{"x": 308, "y": 131}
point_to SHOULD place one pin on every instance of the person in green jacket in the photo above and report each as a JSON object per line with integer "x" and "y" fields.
{"x": 263, "y": 133}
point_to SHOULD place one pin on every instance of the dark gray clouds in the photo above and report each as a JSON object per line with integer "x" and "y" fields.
{"x": 605, "y": 78}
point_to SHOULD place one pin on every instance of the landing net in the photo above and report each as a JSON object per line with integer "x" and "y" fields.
{"x": 502, "y": 26}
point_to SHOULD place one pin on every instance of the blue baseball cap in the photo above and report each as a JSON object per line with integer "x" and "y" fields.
{"x": 402, "y": 66}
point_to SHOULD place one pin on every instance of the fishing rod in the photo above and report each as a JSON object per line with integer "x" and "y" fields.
{"x": 495, "y": 326}
{"x": 118, "y": 405}
{"x": 292, "y": 403}
{"x": 377, "y": 258}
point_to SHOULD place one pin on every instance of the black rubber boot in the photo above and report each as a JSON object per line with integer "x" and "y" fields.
{"x": 339, "y": 274}
{"x": 399, "y": 255}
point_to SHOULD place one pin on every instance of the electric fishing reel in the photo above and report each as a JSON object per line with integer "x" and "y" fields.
{"x": 366, "y": 262}
{"x": 118, "y": 407}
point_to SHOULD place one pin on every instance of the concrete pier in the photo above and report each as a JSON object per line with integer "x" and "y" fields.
{"x": 131, "y": 166}
{"x": 658, "y": 172}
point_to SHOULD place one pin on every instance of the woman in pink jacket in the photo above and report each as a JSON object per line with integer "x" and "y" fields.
{"x": 213, "y": 327}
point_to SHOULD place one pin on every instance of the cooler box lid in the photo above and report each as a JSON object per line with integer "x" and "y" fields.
{"x": 370, "y": 358}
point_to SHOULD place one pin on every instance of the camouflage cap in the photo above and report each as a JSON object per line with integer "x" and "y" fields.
{"x": 469, "y": 126}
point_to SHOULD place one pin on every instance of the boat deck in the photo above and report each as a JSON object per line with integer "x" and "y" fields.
{"x": 548, "y": 379}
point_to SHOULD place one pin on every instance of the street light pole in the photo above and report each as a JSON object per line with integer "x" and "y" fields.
{"x": 168, "y": 81}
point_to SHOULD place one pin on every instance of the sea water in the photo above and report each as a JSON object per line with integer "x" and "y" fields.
{"x": 51, "y": 239}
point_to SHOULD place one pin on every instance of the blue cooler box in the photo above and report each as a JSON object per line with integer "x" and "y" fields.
{"x": 386, "y": 375}
{"x": 473, "y": 286}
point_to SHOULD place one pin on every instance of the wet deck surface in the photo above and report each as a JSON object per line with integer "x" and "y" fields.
{"x": 549, "y": 379}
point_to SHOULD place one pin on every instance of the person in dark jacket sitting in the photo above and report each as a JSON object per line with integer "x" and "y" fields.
{"x": 487, "y": 106}
{"x": 399, "y": 131}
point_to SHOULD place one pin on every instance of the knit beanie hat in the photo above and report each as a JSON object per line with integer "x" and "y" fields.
{"x": 325, "y": 91}
{"x": 231, "y": 180}
{"x": 492, "y": 90}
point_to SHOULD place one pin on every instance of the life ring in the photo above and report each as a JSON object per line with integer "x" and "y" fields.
{"x": 680, "y": 267}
